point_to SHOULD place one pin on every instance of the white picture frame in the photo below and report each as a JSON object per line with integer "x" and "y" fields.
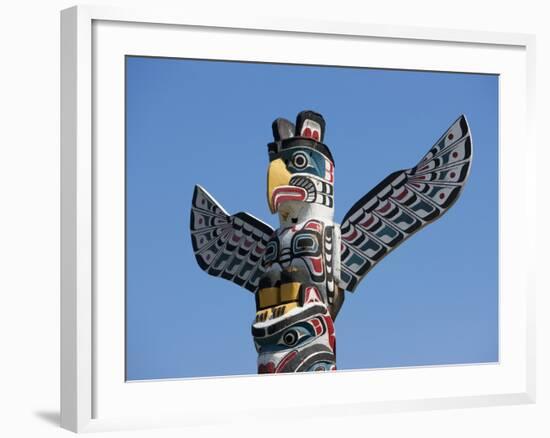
{"x": 94, "y": 395}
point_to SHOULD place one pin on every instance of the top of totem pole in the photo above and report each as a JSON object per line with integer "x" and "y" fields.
{"x": 309, "y": 131}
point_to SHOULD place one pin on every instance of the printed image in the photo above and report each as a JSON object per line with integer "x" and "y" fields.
{"x": 357, "y": 162}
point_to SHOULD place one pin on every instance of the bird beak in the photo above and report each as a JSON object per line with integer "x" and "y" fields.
{"x": 277, "y": 175}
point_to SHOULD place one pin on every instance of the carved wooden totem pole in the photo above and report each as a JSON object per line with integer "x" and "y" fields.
{"x": 299, "y": 272}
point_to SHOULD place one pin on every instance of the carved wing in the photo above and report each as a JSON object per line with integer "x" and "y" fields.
{"x": 227, "y": 246}
{"x": 403, "y": 203}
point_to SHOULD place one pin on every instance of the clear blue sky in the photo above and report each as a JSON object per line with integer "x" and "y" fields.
{"x": 432, "y": 301}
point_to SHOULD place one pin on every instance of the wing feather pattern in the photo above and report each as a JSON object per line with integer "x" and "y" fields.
{"x": 227, "y": 246}
{"x": 403, "y": 203}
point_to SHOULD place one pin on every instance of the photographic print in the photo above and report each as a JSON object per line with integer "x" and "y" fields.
{"x": 289, "y": 185}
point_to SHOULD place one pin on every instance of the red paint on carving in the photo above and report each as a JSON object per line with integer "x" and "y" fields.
{"x": 315, "y": 135}
{"x": 330, "y": 172}
{"x": 317, "y": 326}
{"x": 287, "y": 193}
{"x": 317, "y": 265}
{"x": 351, "y": 236}
{"x": 402, "y": 194}
{"x": 368, "y": 222}
{"x": 307, "y": 132}
{"x": 284, "y": 362}
{"x": 266, "y": 368}
{"x": 313, "y": 225}
{"x": 312, "y": 295}
{"x": 331, "y": 336}
{"x": 385, "y": 208}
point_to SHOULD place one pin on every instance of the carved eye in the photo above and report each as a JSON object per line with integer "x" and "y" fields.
{"x": 291, "y": 337}
{"x": 295, "y": 335}
{"x": 300, "y": 160}
{"x": 305, "y": 244}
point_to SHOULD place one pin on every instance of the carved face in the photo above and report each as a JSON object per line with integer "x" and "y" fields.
{"x": 300, "y": 340}
{"x": 301, "y": 170}
{"x": 300, "y": 177}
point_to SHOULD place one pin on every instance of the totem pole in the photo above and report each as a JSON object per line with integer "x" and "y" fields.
{"x": 299, "y": 272}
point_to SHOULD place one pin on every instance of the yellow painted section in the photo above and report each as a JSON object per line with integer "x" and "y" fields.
{"x": 262, "y": 315}
{"x": 270, "y": 300}
{"x": 274, "y": 312}
{"x": 277, "y": 175}
{"x": 268, "y": 297}
{"x": 289, "y": 292}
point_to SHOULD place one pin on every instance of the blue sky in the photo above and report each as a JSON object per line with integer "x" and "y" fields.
{"x": 432, "y": 301}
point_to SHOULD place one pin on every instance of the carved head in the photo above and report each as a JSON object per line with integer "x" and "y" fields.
{"x": 301, "y": 340}
{"x": 300, "y": 177}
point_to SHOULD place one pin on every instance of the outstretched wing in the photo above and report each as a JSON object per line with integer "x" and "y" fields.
{"x": 227, "y": 246}
{"x": 403, "y": 203}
